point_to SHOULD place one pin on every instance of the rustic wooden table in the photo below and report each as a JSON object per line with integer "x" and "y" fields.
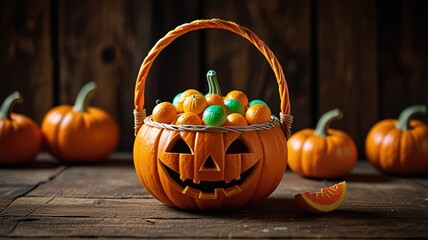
{"x": 47, "y": 199}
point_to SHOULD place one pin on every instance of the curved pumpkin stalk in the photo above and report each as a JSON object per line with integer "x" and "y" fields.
{"x": 403, "y": 122}
{"x": 82, "y": 99}
{"x": 213, "y": 86}
{"x": 9, "y": 103}
{"x": 325, "y": 121}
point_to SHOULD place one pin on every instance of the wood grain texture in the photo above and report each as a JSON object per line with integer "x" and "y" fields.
{"x": 369, "y": 58}
{"x": 285, "y": 27}
{"x": 91, "y": 182}
{"x": 347, "y": 61}
{"x": 403, "y": 56}
{"x": 16, "y": 182}
{"x": 106, "y": 200}
{"x": 26, "y": 61}
{"x": 104, "y": 42}
{"x": 178, "y": 67}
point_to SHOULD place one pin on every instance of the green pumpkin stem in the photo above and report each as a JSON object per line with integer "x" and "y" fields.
{"x": 403, "y": 122}
{"x": 213, "y": 87}
{"x": 325, "y": 121}
{"x": 8, "y": 104}
{"x": 82, "y": 100}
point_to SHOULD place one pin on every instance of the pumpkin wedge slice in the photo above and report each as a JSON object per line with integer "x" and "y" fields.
{"x": 326, "y": 200}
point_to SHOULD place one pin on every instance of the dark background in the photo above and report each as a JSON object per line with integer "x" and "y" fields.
{"x": 367, "y": 57}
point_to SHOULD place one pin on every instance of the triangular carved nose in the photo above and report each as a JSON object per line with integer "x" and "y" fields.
{"x": 209, "y": 165}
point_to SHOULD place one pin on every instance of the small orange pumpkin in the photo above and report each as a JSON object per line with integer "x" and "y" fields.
{"x": 322, "y": 152}
{"x": 80, "y": 133}
{"x": 195, "y": 103}
{"x": 20, "y": 137}
{"x": 399, "y": 146}
{"x": 182, "y": 97}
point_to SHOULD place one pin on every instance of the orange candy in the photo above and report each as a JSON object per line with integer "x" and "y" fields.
{"x": 215, "y": 99}
{"x": 164, "y": 112}
{"x": 257, "y": 114}
{"x": 188, "y": 118}
{"x": 238, "y": 95}
{"x": 235, "y": 119}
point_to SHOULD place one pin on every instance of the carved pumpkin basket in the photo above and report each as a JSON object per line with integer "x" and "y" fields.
{"x": 206, "y": 168}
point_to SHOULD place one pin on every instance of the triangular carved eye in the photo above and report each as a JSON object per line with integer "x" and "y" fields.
{"x": 237, "y": 146}
{"x": 180, "y": 147}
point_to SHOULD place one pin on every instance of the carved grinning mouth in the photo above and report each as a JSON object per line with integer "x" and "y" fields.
{"x": 208, "y": 186}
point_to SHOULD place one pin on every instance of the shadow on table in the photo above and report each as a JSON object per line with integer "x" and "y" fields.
{"x": 368, "y": 178}
{"x": 382, "y": 177}
{"x": 282, "y": 210}
{"x": 32, "y": 165}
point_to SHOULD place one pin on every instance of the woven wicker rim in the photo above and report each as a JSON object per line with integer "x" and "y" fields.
{"x": 203, "y": 128}
{"x": 139, "y": 110}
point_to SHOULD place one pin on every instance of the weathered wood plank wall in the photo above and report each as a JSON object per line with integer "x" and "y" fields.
{"x": 26, "y": 60}
{"x": 347, "y": 70}
{"x": 369, "y": 58}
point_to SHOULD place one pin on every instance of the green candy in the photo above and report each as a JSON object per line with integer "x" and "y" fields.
{"x": 176, "y": 99}
{"x": 214, "y": 115}
{"x": 234, "y": 106}
{"x": 257, "y": 101}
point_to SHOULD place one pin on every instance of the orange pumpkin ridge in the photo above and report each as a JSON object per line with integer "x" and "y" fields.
{"x": 322, "y": 152}
{"x": 183, "y": 96}
{"x": 399, "y": 146}
{"x": 17, "y": 133}
{"x": 80, "y": 133}
{"x": 195, "y": 103}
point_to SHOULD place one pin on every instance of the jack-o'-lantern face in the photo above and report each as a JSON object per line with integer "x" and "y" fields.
{"x": 207, "y": 170}
{"x": 202, "y": 164}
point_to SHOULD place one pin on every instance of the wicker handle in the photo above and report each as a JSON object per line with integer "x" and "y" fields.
{"x": 139, "y": 111}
